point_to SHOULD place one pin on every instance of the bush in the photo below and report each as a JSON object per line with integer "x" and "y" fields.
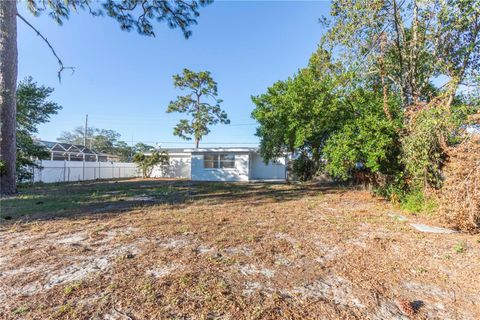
{"x": 304, "y": 168}
{"x": 460, "y": 195}
{"x": 418, "y": 201}
{"x": 393, "y": 188}
{"x": 147, "y": 163}
{"x": 424, "y": 147}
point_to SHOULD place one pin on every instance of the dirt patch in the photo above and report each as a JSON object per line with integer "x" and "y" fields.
{"x": 333, "y": 288}
{"x": 162, "y": 271}
{"x": 70, "y": 239}
{"x": 173, "y": 243}
{"x": 238, "y": 251}
{"x": 253, "y": 270}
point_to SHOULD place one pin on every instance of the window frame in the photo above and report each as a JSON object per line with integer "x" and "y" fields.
{"x": 213, "y": 160}
{"x": 217, "y": 162}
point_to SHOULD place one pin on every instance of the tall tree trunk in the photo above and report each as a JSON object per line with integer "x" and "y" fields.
{"x": 8, "y": 83}
{"x": 196, "y": 116}
{"x": 414, "y": 55}
{"x": 383, "y": 43}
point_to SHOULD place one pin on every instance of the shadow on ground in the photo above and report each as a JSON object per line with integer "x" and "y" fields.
{"x": 78, "y": 200}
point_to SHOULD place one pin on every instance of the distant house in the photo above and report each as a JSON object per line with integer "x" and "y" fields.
{"x": 220, "y": 164}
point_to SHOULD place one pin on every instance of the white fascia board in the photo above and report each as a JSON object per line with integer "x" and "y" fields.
{"x": 202, "y": 150}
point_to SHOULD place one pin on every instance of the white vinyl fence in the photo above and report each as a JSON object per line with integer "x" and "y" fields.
{"x": 64, "y": 171}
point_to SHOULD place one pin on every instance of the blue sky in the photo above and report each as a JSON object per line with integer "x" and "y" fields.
{"x": 123, "y": 80}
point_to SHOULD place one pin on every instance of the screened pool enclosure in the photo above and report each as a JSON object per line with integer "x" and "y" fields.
{"x": 72, "y": 152}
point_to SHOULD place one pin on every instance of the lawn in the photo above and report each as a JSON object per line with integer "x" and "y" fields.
{"x": 156, "y": 249}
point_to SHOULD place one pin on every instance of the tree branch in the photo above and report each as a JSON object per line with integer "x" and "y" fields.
{"x": 60, "y": 63}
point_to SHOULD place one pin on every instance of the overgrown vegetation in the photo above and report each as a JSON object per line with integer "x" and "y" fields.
{"x": 382, "y": 100}
{"x": 460, "y": 196}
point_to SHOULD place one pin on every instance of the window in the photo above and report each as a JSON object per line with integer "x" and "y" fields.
{"x": 217, "y": 160}
{"x": 210, "y": 161}
{"x": 227, "y": 160}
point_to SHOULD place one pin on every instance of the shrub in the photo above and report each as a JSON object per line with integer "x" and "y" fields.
{"x": 460, "y": 195}
{"x": 418, "y": 201}
{"x": 393, "y": 188}
{"x": 400, "y": 193}
{"x": 425, "y": 145}
{"x": 146, "y": 163}
{"x": 304, "y": 168}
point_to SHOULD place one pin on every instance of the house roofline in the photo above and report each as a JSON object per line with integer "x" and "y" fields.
{"x": 220, "y": 149}
{"x": 180, "y": 151}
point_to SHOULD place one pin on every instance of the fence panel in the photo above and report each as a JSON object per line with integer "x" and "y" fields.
{"x": 64, "y": 171}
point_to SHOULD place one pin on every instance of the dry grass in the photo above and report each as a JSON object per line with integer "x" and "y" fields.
{"x": 237, "y": 251}
{"x": 460, "y": 195}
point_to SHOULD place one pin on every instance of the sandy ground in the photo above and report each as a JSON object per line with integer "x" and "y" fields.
{"x": 241, "y": 252}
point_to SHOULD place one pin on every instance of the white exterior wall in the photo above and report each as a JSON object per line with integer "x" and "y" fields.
{"x": 239, "y": 173}
{"x": 271, "y": 171}
{"x": 248, "y": 166}
{"x": 64, "y": 171}
{"x": 178, "y": 167}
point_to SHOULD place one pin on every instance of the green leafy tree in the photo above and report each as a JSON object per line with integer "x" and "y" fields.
{"x": 146, "y": 163}
{"x": 410, "y": 43}
{"x": 328, "y": 125}
{"x": 76, "y": 136}
{"x": 142, "y": 147}
{"x": 126, "y": 152}
{"x": 201, "y": 88}
{"x": 123, "y": 150}
{"x": 298, "y": 115}
{"x": 33, "y": 108}
{"x": 337, "y": 132}
{"x": 130, "y": 14}
{"x": 406, "y": 47}
{"x": 101, "y": 140}
{"x": 366, "y": 141}
{"x": 104, "y": 141}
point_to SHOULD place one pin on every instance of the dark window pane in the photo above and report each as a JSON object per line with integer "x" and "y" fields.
{"x": 227, "y": 160}
{"x": 210, "y": 157}
{"x": 210, "y": 161}
{"x": 227, "y": 157}
{"x": 210, "y": 164}
{"x": 227, "y": 164}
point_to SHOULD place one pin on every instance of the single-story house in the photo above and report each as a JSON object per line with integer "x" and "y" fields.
{"x": 221, "y": 164}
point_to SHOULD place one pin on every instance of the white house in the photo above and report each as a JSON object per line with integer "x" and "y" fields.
{"x": 220, "y": 164}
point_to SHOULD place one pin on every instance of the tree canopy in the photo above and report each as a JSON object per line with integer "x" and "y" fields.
{"x": 130, "y": 14}
{"x": 101, "y": 140}
{"x": 33, "y": 108}
{"x": 410, "y": 42}
{"x": 201, "y": 88}
{"x": 386, "y": 94}
{"x": 312, "y": 117}
{"x": 104, "y": 141}
{"x": 296, "y": 114}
